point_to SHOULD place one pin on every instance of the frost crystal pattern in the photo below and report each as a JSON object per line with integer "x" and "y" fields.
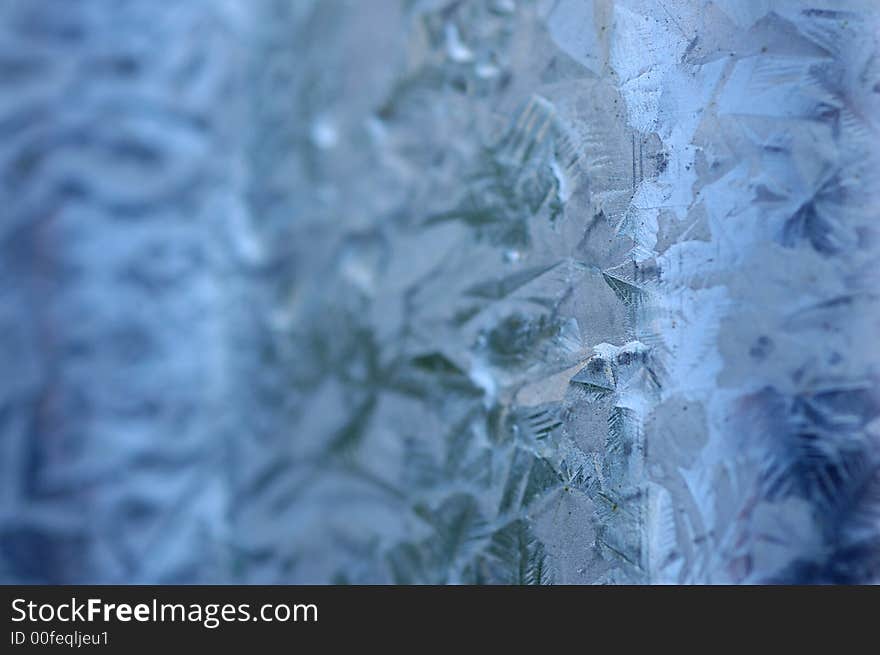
{"x": 494, "y": 291}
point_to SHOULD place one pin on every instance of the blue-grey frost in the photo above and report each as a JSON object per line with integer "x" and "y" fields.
{"x": 495, "y": 291}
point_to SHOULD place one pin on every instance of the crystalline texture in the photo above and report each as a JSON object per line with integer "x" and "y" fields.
{"x": 440, "y": 292}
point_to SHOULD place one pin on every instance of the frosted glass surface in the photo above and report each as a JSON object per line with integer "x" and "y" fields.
{"x": 493, "y": 291}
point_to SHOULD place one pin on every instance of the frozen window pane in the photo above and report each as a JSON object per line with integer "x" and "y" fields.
{"x": 496, "y": 291}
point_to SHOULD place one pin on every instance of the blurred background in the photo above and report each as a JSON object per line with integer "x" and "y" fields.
{"x": 441, "y": 291}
